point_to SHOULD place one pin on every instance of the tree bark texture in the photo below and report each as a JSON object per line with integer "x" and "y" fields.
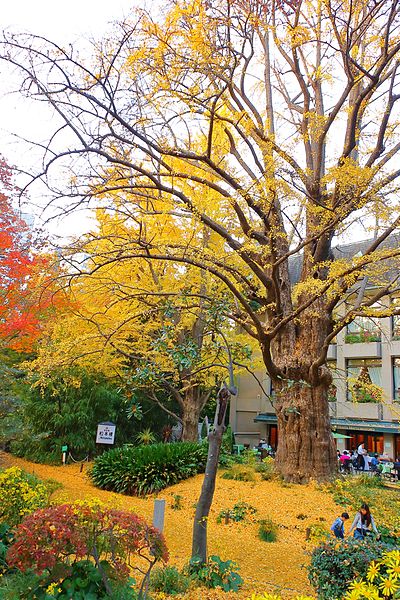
{"x": 190, "y": 420}
{"x": 305, "y": 446}
{"x": 199, "y": 540}
{"x": 193, "y": 402}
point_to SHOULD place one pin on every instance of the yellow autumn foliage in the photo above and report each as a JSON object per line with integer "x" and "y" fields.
{"x": 262, "y": 570}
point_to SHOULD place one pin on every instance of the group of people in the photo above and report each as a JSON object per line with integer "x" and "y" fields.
{"x": 361, "y": 460}
{"x": 362, "y": 526}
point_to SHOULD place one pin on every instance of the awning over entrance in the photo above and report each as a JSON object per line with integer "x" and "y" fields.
{"x": 346, "y": 424}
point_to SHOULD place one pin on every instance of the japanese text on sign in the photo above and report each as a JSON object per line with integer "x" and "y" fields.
{"x": 105, "y": 433}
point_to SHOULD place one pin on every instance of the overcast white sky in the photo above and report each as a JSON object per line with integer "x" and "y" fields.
{"x": 63, "y": 22}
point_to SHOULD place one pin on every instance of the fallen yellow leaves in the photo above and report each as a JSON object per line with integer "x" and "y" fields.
{"x": 265, "y": 567}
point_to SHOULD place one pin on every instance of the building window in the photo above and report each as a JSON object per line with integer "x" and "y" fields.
{"x": 396, "y": 379}
{"x": 364, "y": 380}
{"x": 396, "y": 327}
{"x": 373, "y": 441}
{"x": 363, "y": 329}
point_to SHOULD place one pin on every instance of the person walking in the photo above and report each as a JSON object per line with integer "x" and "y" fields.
{"x": 363, "y": 523}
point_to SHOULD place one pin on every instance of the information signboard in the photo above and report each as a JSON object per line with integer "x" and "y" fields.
{"x": 105, "y": 433}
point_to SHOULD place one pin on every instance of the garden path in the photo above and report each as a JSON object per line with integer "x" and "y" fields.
{"x": 264, "y": 566}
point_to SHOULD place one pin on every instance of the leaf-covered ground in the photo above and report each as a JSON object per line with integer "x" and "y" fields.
{"x": 273, "y": 567}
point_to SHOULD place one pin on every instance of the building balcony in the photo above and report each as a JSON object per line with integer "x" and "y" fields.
{"x": 353, "y": 410}
{"x": 363, "y": 350}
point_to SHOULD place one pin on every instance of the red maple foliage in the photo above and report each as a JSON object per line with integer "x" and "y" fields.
{"x": 65, "y": 532}
{"x": 25, "y": 295}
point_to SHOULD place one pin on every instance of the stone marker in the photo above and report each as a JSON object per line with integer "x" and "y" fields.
{"x": 158, "y": 514}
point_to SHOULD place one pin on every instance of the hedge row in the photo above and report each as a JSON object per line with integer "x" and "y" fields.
{"x": 143, "y": 470}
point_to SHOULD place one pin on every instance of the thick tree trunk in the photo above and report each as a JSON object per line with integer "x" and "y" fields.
{"x": 190, "y": 420}
{"x": 305, "y": 447}
{"x": 199, "y": 540}
{"x": 193, "y": 402}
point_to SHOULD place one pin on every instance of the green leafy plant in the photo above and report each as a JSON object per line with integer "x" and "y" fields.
{"x": 146, "y": 437}
{"x": 239, "y": 512}
{"x": 177, "y": 504}
{"x": 23, "y": 586}
{"x": 362, "y": 337}
{"x": 146, "y": 469}
{"x": 240, "y": 472}
{"x": 169, "y": 580}
{"x": 266, "y": 468}
{"x": 6, "y": 539}
{"x": 268, "y": 530}
{"x": 336, "y": 563}
{"x": 215, "y": 573}
{"x": 83, "y": 582}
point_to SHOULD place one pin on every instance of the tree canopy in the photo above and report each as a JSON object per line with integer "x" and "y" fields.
{"x": 273, "y": 126}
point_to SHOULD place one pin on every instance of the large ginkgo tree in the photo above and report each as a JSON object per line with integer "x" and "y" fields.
{"x": 274, "y": 126}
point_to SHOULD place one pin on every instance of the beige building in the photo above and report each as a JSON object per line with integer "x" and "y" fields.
{"x": 367, "y": 350}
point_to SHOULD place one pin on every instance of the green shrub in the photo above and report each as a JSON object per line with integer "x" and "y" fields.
{"x": 147, "y": 469}
{"x": 215, "y": 573}
{"x": 369, "y": 481}
{"x": 240, "y": 472}
{"x": 169, "y": 580}
{"x": 247, "y": 457}
{"x": 22, "y": 586}
{"x": 6, "y": 539}
{"x": 83, "y": 582}
{"x": 228, "y": 440}
{"x": 266, "y": 468}
{"x": 268, "y": 530}
{"x": 336, "y": 563}
{"x": 238, "y": 513}
{"x": 66, "y": 410}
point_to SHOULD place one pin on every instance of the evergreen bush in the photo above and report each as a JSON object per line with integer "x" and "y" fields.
{"x": 66, "y": 412}
{"x": 146, "y": 469}
{"x": 336, "y": 563}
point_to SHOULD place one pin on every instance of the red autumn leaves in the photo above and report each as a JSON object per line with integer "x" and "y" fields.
{"x": 25, "y": 276}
